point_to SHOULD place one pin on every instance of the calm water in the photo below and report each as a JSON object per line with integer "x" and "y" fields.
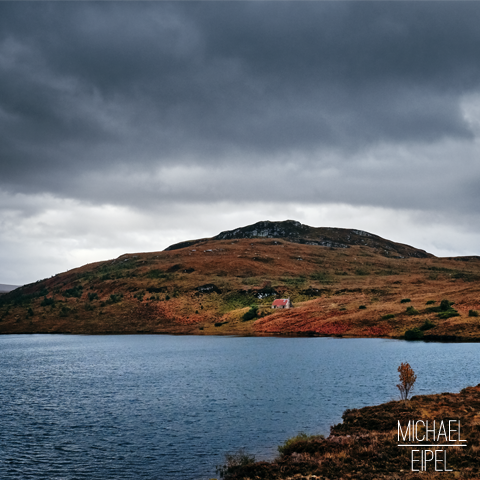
{"x": 165, "y": 407}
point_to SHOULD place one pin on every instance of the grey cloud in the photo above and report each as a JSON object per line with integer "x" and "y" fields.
{"x": 92, "y": 90}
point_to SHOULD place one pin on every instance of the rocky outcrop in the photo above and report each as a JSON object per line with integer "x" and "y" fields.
{"x": 296, "y": 232}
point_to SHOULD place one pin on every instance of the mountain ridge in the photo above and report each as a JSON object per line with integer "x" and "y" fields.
{"x": 296, "y": 232}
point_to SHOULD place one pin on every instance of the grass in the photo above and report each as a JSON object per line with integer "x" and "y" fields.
{"x": 411, "y": 311}
{"x": 361, "y": 272}
{"x": 294, "y": 281}
{"x": 322, "y": 277}
{"x": 300, "y": 437}
{"x": 427, "y": 325}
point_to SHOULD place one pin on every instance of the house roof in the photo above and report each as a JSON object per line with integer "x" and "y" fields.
{"x": 280, "y": 302}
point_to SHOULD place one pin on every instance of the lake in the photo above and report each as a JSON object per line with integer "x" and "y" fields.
{"x": 170, "y": 407}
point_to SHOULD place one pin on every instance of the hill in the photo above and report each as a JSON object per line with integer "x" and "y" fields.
{"x": 7, "y": 288}
{"x": 342, "y": 282}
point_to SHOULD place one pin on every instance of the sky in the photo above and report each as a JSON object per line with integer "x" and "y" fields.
{"x": 129, "y": 126}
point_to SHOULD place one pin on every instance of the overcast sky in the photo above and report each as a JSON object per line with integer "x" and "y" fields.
{"x": 126, "y": 127}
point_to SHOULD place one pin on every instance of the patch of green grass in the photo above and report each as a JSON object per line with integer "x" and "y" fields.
{"x": 448, "y": 314}
{"x": 388, "y": 316}
{"x": 411, "y": 311}
{"x": 295, "y": 281}
{"x": 322, "y": 277}
{"x": 361, "y": 272}
{"x": 301, "y": 437}
{"x": 159, "y": 274}
{"x": 234, "y": 301}
{"x": 427, "y": 325}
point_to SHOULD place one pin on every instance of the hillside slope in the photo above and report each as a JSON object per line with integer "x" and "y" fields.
{"x": 207, "y": 286}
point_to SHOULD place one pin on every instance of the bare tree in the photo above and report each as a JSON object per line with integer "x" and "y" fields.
{"x": 407, "y": 379}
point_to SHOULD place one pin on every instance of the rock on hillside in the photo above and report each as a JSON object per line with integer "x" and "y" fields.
{"x": 296, "y": 232}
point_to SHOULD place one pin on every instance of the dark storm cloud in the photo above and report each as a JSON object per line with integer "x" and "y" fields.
{"x": 89, "y": 90}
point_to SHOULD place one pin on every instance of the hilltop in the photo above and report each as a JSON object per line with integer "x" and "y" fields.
{"x": 342, "y": 282}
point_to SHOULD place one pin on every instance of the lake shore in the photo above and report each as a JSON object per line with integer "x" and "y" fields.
{"x": 365, "y": 445}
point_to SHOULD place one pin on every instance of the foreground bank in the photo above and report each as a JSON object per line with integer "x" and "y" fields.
{"x": 369, "y": 444}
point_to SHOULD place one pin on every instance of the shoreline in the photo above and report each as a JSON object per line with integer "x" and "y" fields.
{"x": 425, "y": 339}
{"x": 365, "y": 445}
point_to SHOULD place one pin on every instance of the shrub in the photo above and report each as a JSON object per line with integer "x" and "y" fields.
{"x": 407, "y": 380}
{"x": 47, "y": 301}
{"x": 388, "y": 316}
{"x": 250, "y": 315}
{"x": 414, "y": 334}
{"x": 362, "y": 307}
{"x": 30, "y": 312}
{"x": 405, "y": 300}
{"x": 64, "y": 311}
{"x": 167, "y": 297}
{"x": 301, "y": 437}
{"x": 445, "y": 310}
{"x": 427, "y": 325}
{"x": 233, "y": 462}
{"x": 430, "y": 302}
{"x": 73, "y": 292}
{"x": 445, "y": 305}
{"x": 472, "y": 313}
{"x": 115, "y": 298}
{"x": 89, "y": 307}
{"x": 92, "y": 296}
{"x": 411, "y": 311}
